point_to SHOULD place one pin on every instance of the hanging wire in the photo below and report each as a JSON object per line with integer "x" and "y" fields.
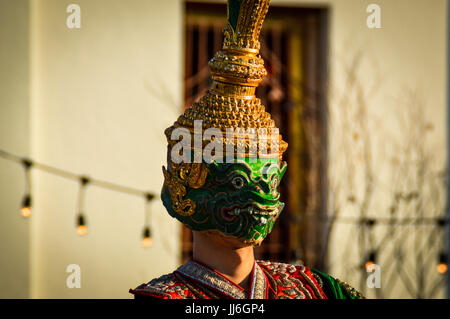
{"x": 370, "y": 221}
{"x": 147, "y": 234}
{"x": 398, "y": 221}
{"x": 26, "y": 201}
{"x": 442, "y": 265}
{"x": 84, "y": 181}
{"x": 73, "y": 176}
{"x": 81, "y": 219}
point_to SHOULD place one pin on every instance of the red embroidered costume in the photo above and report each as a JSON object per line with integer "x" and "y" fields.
{"x": 268, "y": 281}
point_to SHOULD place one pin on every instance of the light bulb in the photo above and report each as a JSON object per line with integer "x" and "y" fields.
{"x": 26, "y": 212}
{"x": 442, "y": 268}
{"x": 147, "y": 238}
{"x": 82, "y": 230}
{"x": 370, "y": 261}
{"x": 369, "y": 264}
{"x": 147, "y": 242}
{"x": 26, "y": 206}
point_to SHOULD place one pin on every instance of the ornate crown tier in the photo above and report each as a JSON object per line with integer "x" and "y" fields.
{"x": 236, "y": 70}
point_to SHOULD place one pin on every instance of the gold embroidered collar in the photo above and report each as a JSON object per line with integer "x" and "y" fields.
{"x": 215, "y": 280}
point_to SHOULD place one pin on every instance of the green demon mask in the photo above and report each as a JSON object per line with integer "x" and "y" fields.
{"x": 241, "y": 198}
{"x": 238, "y": 199}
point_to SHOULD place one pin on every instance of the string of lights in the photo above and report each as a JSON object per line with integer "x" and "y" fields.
{"x": 437, "y": 223}
{"x": 398, "y": 221}
{"x": 81, "y": 221}
{"x": 84, "y": 181}
{"x": 370, "y": 258}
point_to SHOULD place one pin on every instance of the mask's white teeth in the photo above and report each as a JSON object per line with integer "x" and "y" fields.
{"x": 255, "y": 212}
{"x": 264, "y": 213}
{"x": 260, "y": 220}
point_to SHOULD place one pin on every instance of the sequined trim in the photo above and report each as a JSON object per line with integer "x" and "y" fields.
{"x": 199, "y": 294}
{"x": 317, "y": 290}
{"x": 259, "y": 284}
{"x": 350, "y": 290}
{"x": 163, "y": 286}
{"x": 318, "y": 279}
{"x": 211, "y": 279}
{"x": 214, "y": 280}
{"x": 288, "y": 281}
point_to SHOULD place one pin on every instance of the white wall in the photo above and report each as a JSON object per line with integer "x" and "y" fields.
{"x": 95, "y": 113}
{"x": 14, "y": 136}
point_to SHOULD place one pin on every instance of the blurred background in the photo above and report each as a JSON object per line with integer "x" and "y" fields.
{"x": 83, "y": 108}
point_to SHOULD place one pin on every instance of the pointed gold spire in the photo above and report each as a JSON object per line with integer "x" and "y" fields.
{"x": 236, "y": 71}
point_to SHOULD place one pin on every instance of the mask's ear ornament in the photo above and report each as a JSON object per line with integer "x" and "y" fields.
{"x": 237, "y": 197}
{"x": 182, "y": 176}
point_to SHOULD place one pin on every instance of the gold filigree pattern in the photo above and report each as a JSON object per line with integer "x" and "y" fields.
{"x": 163, "y": 286}
{"x": 246, "y": 36}
{"x": 180, "y": 176}
{"x": 194, "y": 280}
{"x": 292, "y": 280}
{"x": 318, "y": 279}
{"x": 251, "y": 124}
{"x": 239, "y": 61}
{"x": 212, "y": 279}
{"x": 243, "y": 69}
{"x": 350, "y": 290}
{"x": 236, "y": 70}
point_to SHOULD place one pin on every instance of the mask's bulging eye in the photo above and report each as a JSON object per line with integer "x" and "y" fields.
{"x": 238, "y": 182}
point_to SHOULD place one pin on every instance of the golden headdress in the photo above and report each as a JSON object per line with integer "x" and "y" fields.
{"x": 237, "y": 69}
